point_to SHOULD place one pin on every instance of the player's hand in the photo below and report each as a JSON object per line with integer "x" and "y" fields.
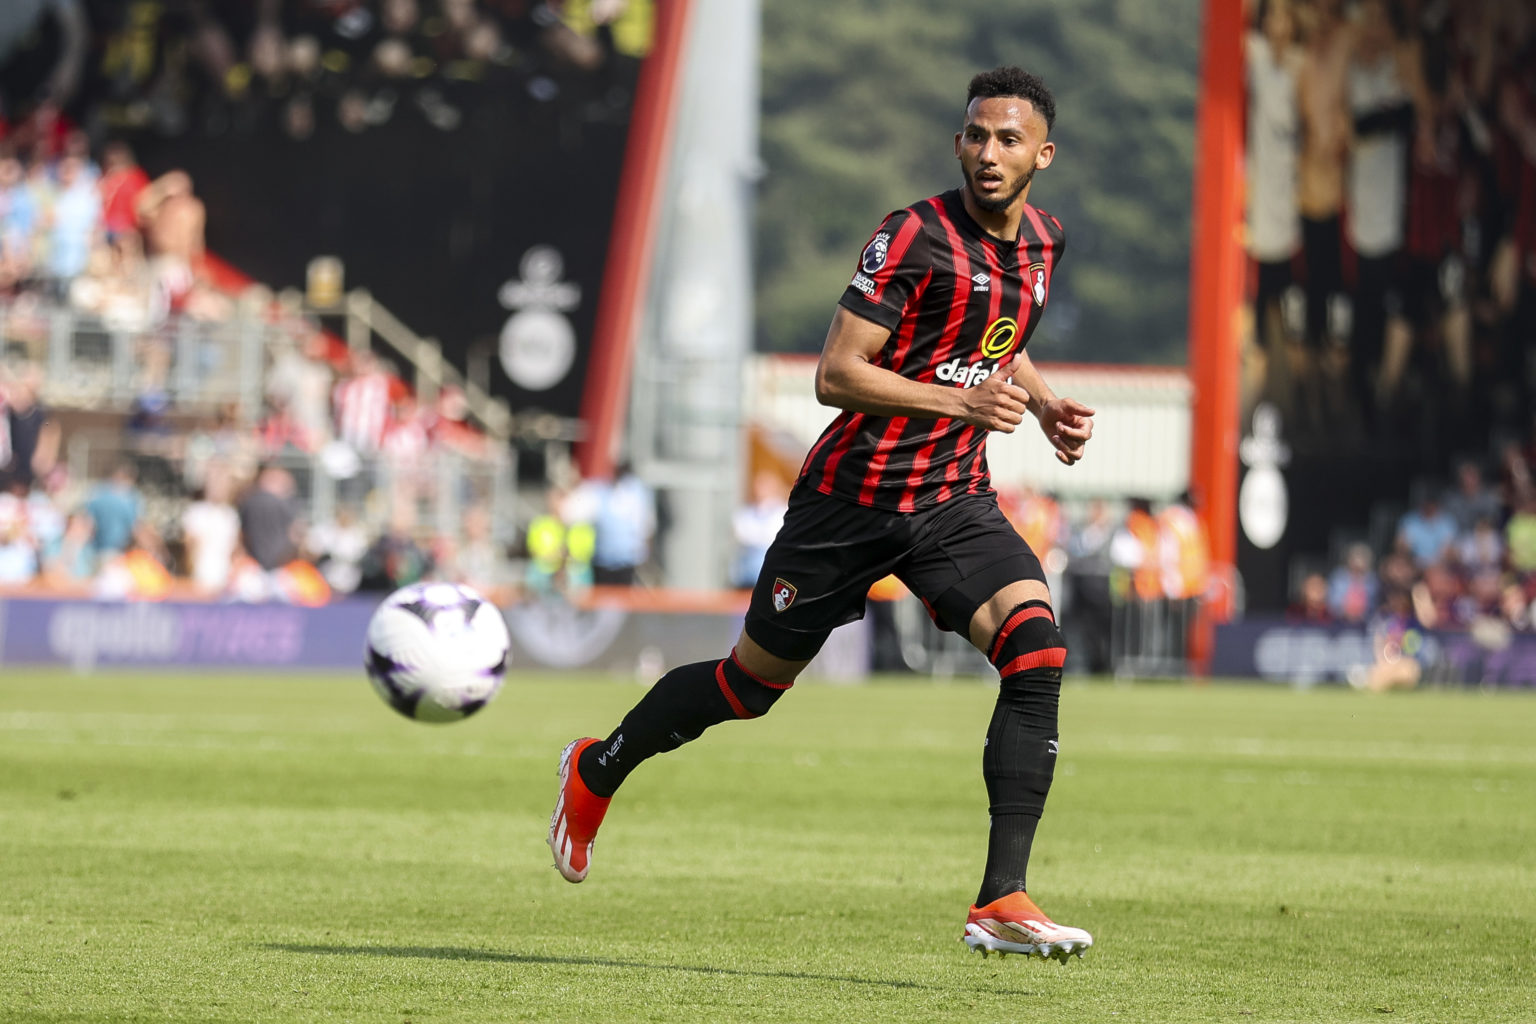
{"x": 1069, "y": 424}
{"x": 996, "y": 403}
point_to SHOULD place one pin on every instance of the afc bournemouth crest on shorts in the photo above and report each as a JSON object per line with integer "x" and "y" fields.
{"x": 783, "y": 595}
{"x": 1037, "y": 282}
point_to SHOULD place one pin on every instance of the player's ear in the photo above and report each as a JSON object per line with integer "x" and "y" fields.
{"x": 957, "y": 144}
{"x": 1045, "y": 156}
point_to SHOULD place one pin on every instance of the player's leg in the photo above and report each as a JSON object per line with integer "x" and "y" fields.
{"x": 987, "y": 582}
{"x": 802, "y": 593}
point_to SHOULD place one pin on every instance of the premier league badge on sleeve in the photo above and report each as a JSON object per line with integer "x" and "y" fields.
{"x": 875, "y": 252}
{"x": 783, "y": 595}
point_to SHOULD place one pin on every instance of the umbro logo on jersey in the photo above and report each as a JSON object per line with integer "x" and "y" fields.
{"x": 1050, "y": 746}
{"x": 783, "y": 595}
{"x": 982, "y": 281}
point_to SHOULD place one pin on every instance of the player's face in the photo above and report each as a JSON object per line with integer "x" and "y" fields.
{"x": 1000, "y": 148}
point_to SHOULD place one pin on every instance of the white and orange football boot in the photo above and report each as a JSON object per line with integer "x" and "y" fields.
{"x": 578, "y": 813}
{"x": 1013, "y": 924}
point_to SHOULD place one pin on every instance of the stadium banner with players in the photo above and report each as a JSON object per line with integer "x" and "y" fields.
{"x": 1278, "y": 650}
{"x": 87, "y": 634}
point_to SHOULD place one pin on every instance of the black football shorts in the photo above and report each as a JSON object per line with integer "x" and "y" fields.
{"x": 954, "y": 556}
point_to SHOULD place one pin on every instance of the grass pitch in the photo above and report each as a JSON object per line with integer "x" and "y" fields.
{"x": 287, "y": 849}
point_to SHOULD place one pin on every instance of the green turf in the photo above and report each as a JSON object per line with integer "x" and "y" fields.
{"x": 243, "y": 849}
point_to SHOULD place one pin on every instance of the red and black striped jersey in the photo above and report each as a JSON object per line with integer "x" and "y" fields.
{"x": 958, "y": 303}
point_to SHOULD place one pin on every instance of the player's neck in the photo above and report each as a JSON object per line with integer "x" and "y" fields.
{"x": 1003, "y": 226}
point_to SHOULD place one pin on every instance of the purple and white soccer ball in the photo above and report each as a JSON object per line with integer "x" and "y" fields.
{"x": 437, "y": 652}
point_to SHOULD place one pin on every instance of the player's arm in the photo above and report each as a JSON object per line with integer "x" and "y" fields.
{"x": 1066, "y": 422}
{"x": 847, "y": 378}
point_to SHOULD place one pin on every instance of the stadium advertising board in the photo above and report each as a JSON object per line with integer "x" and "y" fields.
{"x": 87, "y": 634}
{"x": 1282, "y": 651}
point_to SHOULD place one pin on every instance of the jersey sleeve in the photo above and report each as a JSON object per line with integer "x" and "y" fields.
{"x": 1058, "y": 241}
{"x": 893, "y": 268}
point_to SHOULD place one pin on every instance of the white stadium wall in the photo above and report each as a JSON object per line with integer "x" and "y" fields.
{"x": 1141, "y": 431}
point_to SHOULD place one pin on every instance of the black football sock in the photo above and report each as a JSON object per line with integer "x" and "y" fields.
{"x": 681, "y": 705}
{"x": 1020, "y": 758}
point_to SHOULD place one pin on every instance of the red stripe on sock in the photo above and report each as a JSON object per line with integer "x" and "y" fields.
{"x": 1020, "y": 616}
{"x": 757, "y": 678}
{"x": 1048, "y": 657}
{"x": 730, "y": 695}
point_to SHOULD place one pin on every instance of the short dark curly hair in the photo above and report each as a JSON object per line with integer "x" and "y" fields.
{"x": 1009, "y": 80}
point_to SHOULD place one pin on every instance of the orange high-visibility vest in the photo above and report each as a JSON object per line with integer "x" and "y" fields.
{"x": 1186, "y": 559}
{"x": 1147, "y": 580}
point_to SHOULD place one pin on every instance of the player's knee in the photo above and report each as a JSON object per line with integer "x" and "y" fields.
{"x": 1028, "y": 645}
{"x": 749, "y": 695}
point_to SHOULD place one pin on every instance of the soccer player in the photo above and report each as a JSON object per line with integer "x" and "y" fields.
{"x": 925, "y": 356}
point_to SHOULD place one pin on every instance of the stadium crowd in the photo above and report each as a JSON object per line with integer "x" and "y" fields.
{"x": 1392, "y": 218}
{"x": 1464, "y": 557}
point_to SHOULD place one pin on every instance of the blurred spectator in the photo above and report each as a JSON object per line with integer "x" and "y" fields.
{"x": 625, "y": 522}
{"x": 173, "y": 221}
{"x": 18, "y": 222}
{"x": 122, "y": 182}
{"x": 362, "y": 401}
{"x": 18, "y": 549}
{"x": 1088, "y": 573}
{"x": 301, "y": 378}
{"x": 269, "y": 519}
{"x": 559, "y": 542}
{"x": 73, "y": 222}
{"x": 221, "y": 439}
{"x": 281, "y": 432}
{"x": 1135, "y": 551}
{"x": 755, "y": 524}
{"x": 1471, "y": 501}
{"x": 1482, "y": 548}
{"x": 138, "y": 572}
{"x": 1184, "y": 550}
{"x": 1379, "y": 95}
{"x": 29, "y": 440}
{"x": 450, "y": 427}
{"x": 72, "y": 562}
{"x": 211, "y": 529}
{"x": 338, "y": 548}
{"x": 1324, "y": 148}
{"x": 1274, "y": 64}
{"x": 1352, "y": 586}
{"x": 114, "y": 508}
{"x": 1311, "y": 605}
{"x": 395, "y": 559}
{"x": 1427, "y": 531}
{"x": 1520, "y": 536}
{"x": 1397, "y": 644}
{"x": 479, "y": 563}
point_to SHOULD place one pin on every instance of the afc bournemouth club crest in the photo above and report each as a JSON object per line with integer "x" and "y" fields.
{"x": 783, "y": 595}
{"x": 1037, "y": 282}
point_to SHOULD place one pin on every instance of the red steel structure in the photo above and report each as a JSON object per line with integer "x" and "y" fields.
{"x": 1215, "y": 296}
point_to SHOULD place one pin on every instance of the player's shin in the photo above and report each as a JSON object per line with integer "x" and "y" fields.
{"x": 1019, "y": 761}
{"x": 681, "y": 705}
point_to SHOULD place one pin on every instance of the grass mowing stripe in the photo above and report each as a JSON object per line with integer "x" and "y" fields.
{"x": 286, "y": 849}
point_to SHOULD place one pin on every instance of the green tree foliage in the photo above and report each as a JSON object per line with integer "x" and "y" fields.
{"x": 861, "y": 99}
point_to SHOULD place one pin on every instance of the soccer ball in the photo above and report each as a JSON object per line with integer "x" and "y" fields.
{"x": 436, "y": 652}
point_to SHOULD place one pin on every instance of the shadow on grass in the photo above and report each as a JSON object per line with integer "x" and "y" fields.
{"x": 491, "y": 956}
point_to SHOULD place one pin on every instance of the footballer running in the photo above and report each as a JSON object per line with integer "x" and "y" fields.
{"x": 924, "y": 358}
